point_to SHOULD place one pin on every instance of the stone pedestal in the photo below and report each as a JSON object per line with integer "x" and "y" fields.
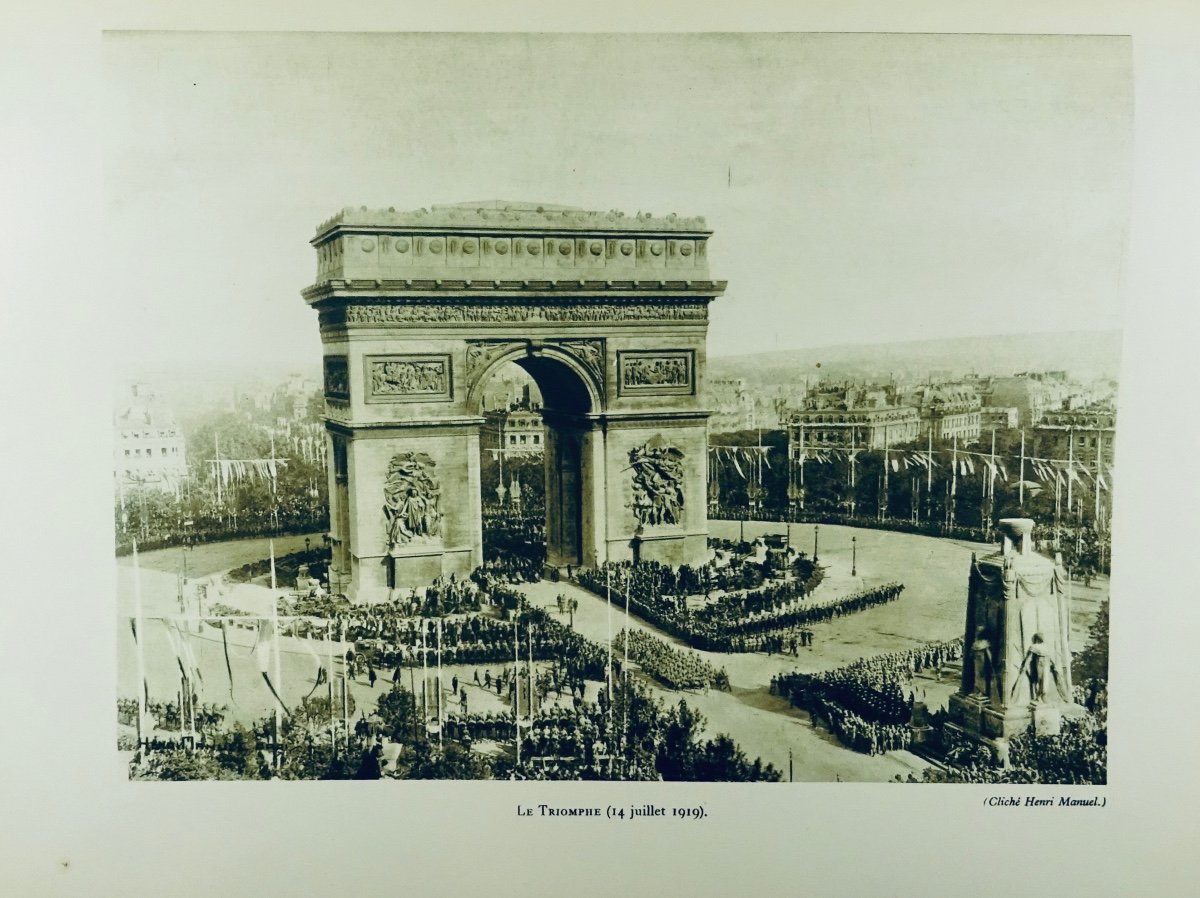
{"x": 1046, "y": 721}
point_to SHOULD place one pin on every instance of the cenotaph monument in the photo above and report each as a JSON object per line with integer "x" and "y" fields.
{"x": 1016, "y": 658}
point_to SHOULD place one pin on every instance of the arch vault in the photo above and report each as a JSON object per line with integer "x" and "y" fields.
{"x": 607, "y": 313}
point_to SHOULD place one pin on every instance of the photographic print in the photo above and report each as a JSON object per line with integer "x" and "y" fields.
{"x": 616, "y": 407}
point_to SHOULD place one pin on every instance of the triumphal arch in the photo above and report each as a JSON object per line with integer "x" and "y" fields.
{"x": 608, "y": 314}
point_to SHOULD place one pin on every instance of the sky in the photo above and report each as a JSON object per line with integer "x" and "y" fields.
{"x": 861, "y": 188}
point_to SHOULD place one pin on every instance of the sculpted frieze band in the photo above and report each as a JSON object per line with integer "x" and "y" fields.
{"x": 509, "y": 313}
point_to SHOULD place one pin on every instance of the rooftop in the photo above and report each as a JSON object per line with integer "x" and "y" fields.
{"x": 509, "y": 215}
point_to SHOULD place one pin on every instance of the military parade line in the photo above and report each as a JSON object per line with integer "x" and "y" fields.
{"x": 868, "y": 705}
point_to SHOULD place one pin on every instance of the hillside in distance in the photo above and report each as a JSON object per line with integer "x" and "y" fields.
{"x": 1084, "y": 354}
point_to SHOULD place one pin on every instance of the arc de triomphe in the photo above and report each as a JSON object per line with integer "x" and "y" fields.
{"x": 607, "y": 313}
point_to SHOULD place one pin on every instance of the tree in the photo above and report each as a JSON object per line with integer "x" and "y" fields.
{"x": 399, "y": 716}
{"x": 237, "y": 752}
{"x": 451, "y": 762}
{"x": 1092, "y": 662}
{"x": 182, "y": 764}
{"x": 677, "y": 754}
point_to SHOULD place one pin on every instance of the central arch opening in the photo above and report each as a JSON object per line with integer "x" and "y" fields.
{"x": 534, "y": 465}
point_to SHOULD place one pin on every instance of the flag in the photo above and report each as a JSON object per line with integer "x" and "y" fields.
{"x": 896, "y": 466}
{"x": 733, "y": 457}
{"x": 1031, "y": 487}
{"x": 262, "y": 644}
{"x": 189, "y": 656}
{"x": 228, "y": 666}
{"x": 262, "y": 654}
{"x": 317, "y": 658}
{"x": 321, "y": 678}
{"x": 173, "y": 639}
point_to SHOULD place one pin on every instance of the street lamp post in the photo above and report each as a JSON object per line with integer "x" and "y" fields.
{"x": 816, "y": 541}
{"x": 854, "y": 556}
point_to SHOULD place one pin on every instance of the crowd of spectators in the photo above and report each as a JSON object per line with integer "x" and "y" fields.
{"x": 1078, "y": 755}
{"x": 166, "y": 715}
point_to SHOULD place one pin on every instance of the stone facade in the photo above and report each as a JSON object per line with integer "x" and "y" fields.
{"x": 607, "y": 313}
{"x": 995, "y": 417}
{"x": 148, "y": 446}
{"x": 1084, "y": 435}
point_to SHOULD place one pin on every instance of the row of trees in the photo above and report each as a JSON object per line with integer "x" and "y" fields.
{"x": 205, "y": 507}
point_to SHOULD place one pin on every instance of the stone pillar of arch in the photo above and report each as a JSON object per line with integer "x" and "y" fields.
{"x": 607, "y": 313}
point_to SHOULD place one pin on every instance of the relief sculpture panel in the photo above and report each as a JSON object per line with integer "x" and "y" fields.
{"x": 337, "y": 377}
{"x": 657, "y": 483}
{"x": 656, "y": 372}
{"x": 408, "y": 378}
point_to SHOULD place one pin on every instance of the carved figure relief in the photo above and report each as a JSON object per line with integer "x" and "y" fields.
{"x": 660, "y": 372}
{"x": 337, "y": 377}
{"x": 408, "y": 378}
{"x": 411, "y": 498}
{"x": 481, "y": 353}
{"x": 591, "y": 354}
{"x": 657, "y": 483}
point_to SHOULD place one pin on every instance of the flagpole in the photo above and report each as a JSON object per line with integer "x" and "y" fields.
{"x": 625, "y": 679}
{"x": 1070, "y": 464}
{"x": 983, "y": 492}
{"x": 992, "y": 484}
{"x": 345, "y": 694}
{"x": 329, "y": 684}
{"x": 1096, "y": 522}
{"x": 278, "y": 755}
{"x": 424, "y": 681}
{"x": 853, "y": 491}
{"x": 954, "y": 479}
{"x": 883, "y": 500}
{"x": 438, "y": 681}
{"x": 274, "y": 486}
{"x": 608, "y": 602}
{"x": 929, "y": 475}
{"x": 802, "y": 454}
{"x": 516, "y": 687}
{"x": 217, "y": 453}
{"x": 529, "y": 632}
{"x": 1021, "y": 479}
{"x": 139, "y": 641}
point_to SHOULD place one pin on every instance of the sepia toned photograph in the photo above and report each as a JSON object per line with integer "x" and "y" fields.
{"x": 616, "y": 407}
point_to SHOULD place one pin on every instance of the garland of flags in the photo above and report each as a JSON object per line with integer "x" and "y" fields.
{"x": 1046, "y": 470}
{"x": 235, "y": 470}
